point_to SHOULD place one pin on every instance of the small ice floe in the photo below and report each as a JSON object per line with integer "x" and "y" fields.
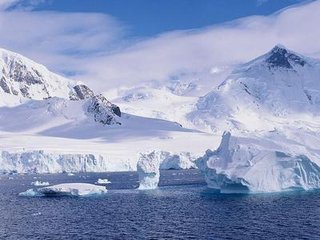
{"x": 30, "y": 193}
{"x": 36, "y": 214}
{"x": 40, "y": 184}
{"x": 70, "y": 174}
{"x": 102, "y": 181}
{"x": 67, "y": 189}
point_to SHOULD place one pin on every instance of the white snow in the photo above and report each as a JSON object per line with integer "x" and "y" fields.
{"x": 40, "y": 183}
{"x": 67, "y": 189}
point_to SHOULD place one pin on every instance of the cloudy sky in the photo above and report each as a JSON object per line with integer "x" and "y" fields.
{"x": 109, "y": 43}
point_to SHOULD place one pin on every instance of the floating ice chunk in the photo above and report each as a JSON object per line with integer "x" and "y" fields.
{"x": 66, "y": 189}
{"x": 148, "y": 168}
{"x": 40, "y": 184}
{"x": 102, "y": 181}
{"x": 73, "y": 189}
{"x": 30, "y": 193}
{"x": 149, "y": 165}
{"x": 70, "y": 174}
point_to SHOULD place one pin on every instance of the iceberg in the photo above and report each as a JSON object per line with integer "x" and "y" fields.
{"x": 253, "y": 164}
{"x": 30, "y": 193}
{"x": 67, "y": 189}
{"x": 148, "y": 168}
{"x": 39, "y": 183}
{"x": 149, "y": 165}
{"x": 103, "y": 181}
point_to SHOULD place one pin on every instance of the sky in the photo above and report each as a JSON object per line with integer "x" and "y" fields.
{"x": 149, "y": 17}
{"x": 110, "y": 43}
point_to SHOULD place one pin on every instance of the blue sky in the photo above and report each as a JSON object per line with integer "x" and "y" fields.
{"x": 149, "y": 17}
{"x": 110, "y": 43}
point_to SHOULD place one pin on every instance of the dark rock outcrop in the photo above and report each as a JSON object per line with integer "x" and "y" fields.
{"x": 104, "y": 111}
{"x": 83, "y": 92}
{"x": 281, "y": 57}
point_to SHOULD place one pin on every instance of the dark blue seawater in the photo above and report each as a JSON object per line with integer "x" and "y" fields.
{"x": 174, "y": 211}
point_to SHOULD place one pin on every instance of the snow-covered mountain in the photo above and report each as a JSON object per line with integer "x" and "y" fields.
{"x": 24, "y": 78}
{"x": 270, "y": 110}
{"x": 271, "y": 107}
{"x": 50, "y": 124}
{"x": 278, "y": 87}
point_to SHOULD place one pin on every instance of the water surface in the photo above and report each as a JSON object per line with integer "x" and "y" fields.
{"x": 182, "y": 208}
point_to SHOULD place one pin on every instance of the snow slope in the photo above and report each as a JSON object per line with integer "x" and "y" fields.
{"x": 59, "y": 135}
{"x": 274, "y": 90}
{"x": 156, "y": 103}
{"x": 169, "y": 99}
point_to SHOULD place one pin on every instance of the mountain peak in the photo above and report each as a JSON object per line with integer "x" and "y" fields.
{"x": 24, "y": 78}
{"x": 281, "y": 57}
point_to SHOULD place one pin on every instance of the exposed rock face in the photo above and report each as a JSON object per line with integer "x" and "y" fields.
{"x": 83, "y": 92}
{"x": 104, "y": 111}
{"x": 24, "y": 78}
{"x": 281, "y": 57}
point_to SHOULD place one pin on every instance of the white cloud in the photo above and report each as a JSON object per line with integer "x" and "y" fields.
{"x": 198, "y": 50}
{"x": 56, "y": 39}
{"x": 5, "y": 4}
{"x": 81, "y": 43}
